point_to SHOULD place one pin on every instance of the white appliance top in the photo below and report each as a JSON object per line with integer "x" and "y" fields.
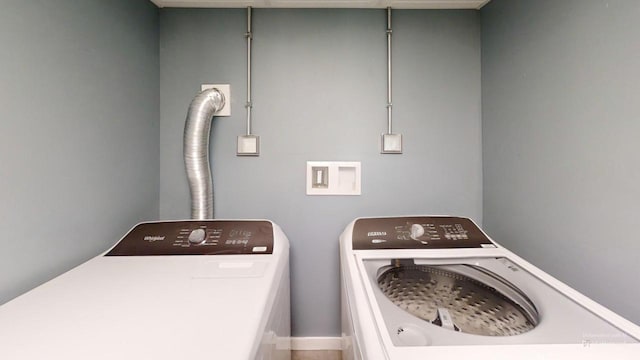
{"x": 148, "y": 307}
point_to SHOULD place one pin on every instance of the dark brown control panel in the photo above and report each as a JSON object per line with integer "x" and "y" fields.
{"x": 420, "y": 232}
{"x": 197, "y": 237}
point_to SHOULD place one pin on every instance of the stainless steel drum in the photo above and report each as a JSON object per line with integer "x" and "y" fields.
{"x": 461, "y": 298}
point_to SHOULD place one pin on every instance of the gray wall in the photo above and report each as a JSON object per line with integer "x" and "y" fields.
{"x": 561, "y": 120}
{"x": 319, "y": 94}
{"x": 78, "y": 132}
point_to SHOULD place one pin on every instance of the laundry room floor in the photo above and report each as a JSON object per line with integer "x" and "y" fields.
{"x": 316, "y": 355}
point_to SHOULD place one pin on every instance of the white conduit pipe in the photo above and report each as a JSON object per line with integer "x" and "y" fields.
{"x": 389, "y": 98}
{"x": 196, "y": 151}
{"x": 249, "y": 36}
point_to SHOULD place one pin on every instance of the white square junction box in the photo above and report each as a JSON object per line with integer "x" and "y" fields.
{"x": 391, "y": 144}
{"x": 333, "y": 178}
{"x": 248, "y": 145}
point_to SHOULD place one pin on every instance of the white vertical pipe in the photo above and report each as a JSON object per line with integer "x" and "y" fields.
{"x": 389, "y": 98}
{"x": 249, "y": 36}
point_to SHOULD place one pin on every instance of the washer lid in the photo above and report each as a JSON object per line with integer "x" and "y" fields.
{"x": 434, "y": 297}
{"x": 459, "y": 297}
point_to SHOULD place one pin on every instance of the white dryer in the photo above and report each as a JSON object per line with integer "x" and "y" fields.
{"x": 194, "y": 289}
{"x": 438, "y": 287}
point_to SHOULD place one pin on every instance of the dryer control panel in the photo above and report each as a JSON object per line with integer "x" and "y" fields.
{"x": 420, "y": 232}
{"x": 197, "y": 237}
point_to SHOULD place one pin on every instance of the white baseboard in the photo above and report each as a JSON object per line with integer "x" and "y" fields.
{"x": 316, "y": 343}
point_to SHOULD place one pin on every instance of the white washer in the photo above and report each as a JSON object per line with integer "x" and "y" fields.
{"x": 193, "y": 289}
{"x": 437, "y": 287}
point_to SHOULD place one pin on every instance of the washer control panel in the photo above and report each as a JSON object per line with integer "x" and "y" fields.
{"x": 420, "y": 232}
{"x": 197, "y": 237}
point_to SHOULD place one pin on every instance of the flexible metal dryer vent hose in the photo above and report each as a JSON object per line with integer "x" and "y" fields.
{"x": 197, "y": 130}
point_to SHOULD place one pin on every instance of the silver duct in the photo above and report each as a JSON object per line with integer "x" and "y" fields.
{"x": 197, "y": 130}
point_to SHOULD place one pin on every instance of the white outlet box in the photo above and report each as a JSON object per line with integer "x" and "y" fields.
{"x": 248, "y": 145}
{"x": 333, "y": 178}
{"x": 391, "y": 144}
{"x": 225, "y": 89}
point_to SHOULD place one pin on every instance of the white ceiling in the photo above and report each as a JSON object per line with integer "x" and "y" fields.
{"x": 396, "y": 4}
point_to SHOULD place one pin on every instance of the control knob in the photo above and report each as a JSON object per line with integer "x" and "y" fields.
{"x": 417, "y": 231}
{"x": 197, "y": 236}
